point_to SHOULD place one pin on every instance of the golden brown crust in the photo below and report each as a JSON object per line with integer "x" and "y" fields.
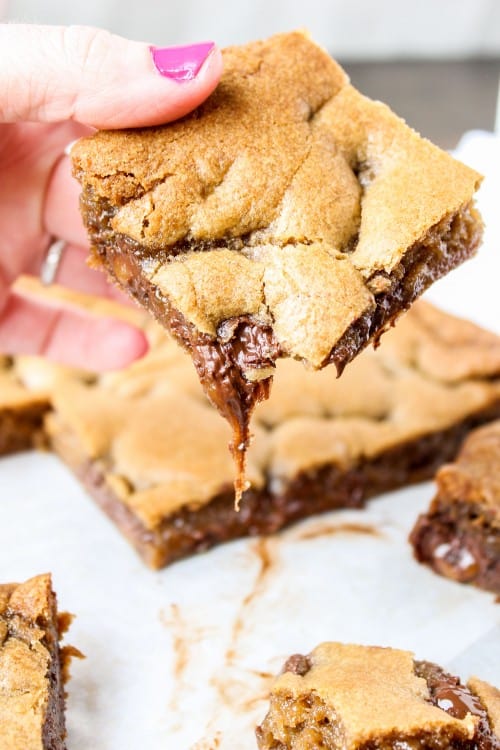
{"x": 374, "y": 694}
{"x": 490, "y": 697}
{"x": 27, "y": 624}
{"x": 224, "y": 171}
{"x": 289, "y": 180}
{"x": 475, "y": 475}
{"x": 162, "y": 447}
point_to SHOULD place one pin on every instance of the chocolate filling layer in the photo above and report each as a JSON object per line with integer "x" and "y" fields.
{"x": 446, "y": 245}
{"x": 54, "y": 729}
{"x": 450, "y": 695}
{"x": 221, "y": 363}
{"x": 265, "y": 511}
{"x": 459, "y": 540}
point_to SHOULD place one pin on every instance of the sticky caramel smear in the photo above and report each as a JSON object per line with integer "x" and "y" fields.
{"x": 236, "y": 402}
{"x": 239, "y": 448}
{"x": 321, "y": 530}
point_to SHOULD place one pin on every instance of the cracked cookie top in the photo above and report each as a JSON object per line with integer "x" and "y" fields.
{"x": 365, "y": 696}
{"x": 302, "y": 194}
{"x": 373, "y": 691}
{"x": 25, "y": 611}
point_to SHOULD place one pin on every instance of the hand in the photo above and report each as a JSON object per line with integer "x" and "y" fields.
{"x": 56, "y": 84}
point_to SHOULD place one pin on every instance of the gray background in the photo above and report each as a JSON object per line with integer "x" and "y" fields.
{"x": 350, "y": 29}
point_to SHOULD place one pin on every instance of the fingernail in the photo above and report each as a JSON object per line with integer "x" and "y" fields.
{"x": 181, "y": 63}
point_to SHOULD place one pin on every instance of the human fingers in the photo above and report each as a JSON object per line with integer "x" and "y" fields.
{"x": 61, "y": 215}
{"x": 68, "y": 335}
{"x": 51, "y": 73}
{"x": 28, "y": 153}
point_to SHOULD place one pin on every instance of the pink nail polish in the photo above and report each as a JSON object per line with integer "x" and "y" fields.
{"x": 181, "y": 63}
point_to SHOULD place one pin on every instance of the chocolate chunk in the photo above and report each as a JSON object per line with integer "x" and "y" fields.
{"x": 459, "y": 536}
{"x": 297, "y": 664}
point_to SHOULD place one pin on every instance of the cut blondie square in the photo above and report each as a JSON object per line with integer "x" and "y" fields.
{"x": 151, "y": 449}
{"x": 350, "y": 697}
{"x": 33, "y": 667}
{"x": 459, "y": 535}
{"x": 288, "y": 216}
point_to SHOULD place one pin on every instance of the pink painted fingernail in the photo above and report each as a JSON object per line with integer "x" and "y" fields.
{"x": 181, "y": 63}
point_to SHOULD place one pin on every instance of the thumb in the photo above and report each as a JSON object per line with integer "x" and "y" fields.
{"x": 52, "y": 73}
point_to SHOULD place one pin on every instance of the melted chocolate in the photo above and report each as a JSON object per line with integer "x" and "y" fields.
{"x": 306, "y": 721}
{"x": 458, "y": 540}
{"x": 450, "y": 695}
{"x": 297, "y": 664}
{"x": 221, "y": 369}
{"x": 447, "y": 244}
{"x": 221, "y": 365}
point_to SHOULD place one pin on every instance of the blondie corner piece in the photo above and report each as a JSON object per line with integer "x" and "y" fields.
{"x": 151, "y": 450}
{"x": 349, "y": 697}
{"x": 288, "y": 216}
{"x": 21, "y": 412}
{"x": 33, "y": 667}
{"x": 459, "y": 536}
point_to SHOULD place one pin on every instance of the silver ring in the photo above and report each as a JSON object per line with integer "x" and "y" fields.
{"x": 48, "y": 271}
{"x": 67, "y": 150}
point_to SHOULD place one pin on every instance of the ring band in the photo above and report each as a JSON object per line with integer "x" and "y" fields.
{"x": 50, "y": 265}
{"x": 67, "y": 149}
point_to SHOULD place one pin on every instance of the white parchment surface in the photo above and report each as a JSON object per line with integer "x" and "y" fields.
{"x": 181, "y": 658}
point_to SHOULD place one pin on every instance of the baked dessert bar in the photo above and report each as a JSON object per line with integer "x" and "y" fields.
{"x": 33, "y": 667}
{"x": 349, "y": 697}
{"x": 288, "y": 216}
{"x": 151, "y": 449}
{"x": 459, "y": 536}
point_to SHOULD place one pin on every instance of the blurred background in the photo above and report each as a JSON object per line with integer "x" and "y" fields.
{"x": 436, "y": 62}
